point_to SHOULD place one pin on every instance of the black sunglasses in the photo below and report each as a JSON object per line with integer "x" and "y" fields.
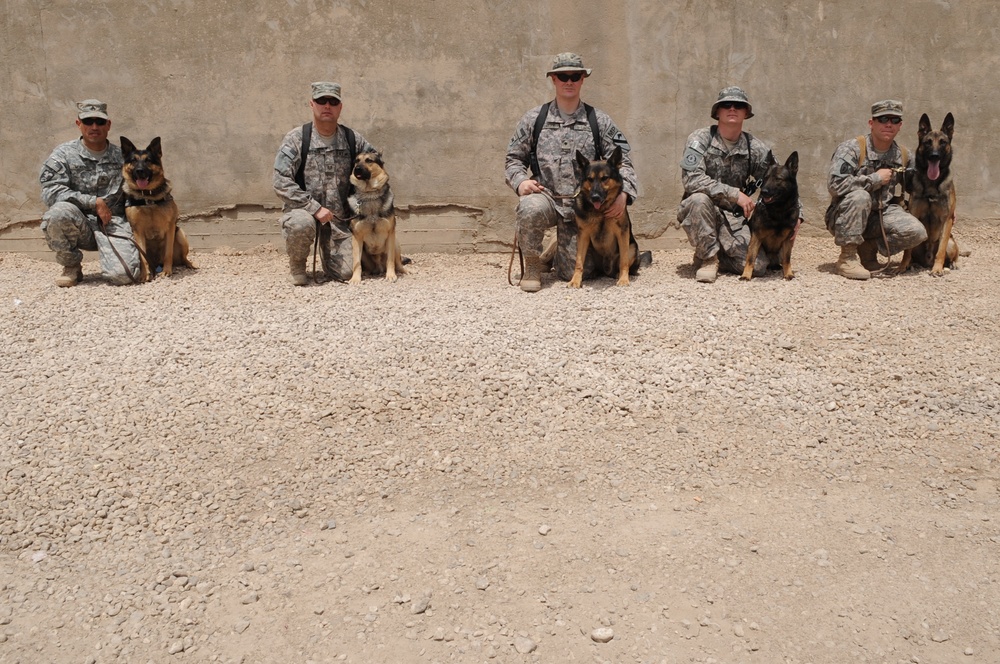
{"x": 886, "y": 119}
{"x": 732, "y": 104}
{"x": 100, "y": 122}
{"x": 327, "y": 101}
{"x": 565, "y": 78}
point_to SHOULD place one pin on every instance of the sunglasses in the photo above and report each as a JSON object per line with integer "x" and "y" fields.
{"x": 100, "y": 122}
{"x": 732, "y": 104}
{"x": 327, "y": 101}
{"x": 565, "y": 78}
{"x": 886, "y": 119}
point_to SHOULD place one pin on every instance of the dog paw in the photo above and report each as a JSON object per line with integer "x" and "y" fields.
{"x": 391, "y": 278}
{"x": 575, "y": 283}
{"x": 356, "y": 279}
{"x": 623, "y": 282}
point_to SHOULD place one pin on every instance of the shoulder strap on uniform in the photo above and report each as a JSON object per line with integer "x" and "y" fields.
{"x": 543, "y": 113}
{"x": 300, "y": 174}
{"x": 863, "y": 144}
{"x": 352, "y": 145}
{"x": 905, "y": 155}
{"x": 592, "y": 118}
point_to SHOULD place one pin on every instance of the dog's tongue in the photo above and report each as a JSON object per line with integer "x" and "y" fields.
{"x": 597, "y": 206}
{"x": 933, "y": 170}
{"x": 144, "y": 184}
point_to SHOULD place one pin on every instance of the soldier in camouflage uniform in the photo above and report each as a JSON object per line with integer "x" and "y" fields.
{"x": 82, "y": 189}
{"x": 717, "y": 163}
{"x": 546, "y": 197}
{"x": 861, "y": 187}
{"x": 323, "y": 202}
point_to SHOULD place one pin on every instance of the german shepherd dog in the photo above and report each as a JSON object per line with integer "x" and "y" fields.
{"x": 373, "y": 226}
{"x": 773, "y": 222}
{"x": 932, "y": 195}
{"x": 151, "y": 211}
{"x": 612, "y": 240}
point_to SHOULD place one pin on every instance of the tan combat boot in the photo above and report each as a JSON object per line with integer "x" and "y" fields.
{"x": 848, "y": 264}
{"x": 297, "y": 267}
{"x": 71, "y": 276}
{"x": 708, "y": 271}
{"x": 531, "y": 280}
{"x": 868, "y": 253}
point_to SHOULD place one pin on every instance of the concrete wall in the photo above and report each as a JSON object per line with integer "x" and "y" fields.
{"x": 439, "y": 85}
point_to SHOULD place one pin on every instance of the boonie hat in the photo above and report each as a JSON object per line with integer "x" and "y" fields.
{"x": 91, "y": 108}
{"x": 887, "y": 107}
{"x": 322, "y": 89}
{"x": 732, "y": 93}
{"x": 568, "y": 62}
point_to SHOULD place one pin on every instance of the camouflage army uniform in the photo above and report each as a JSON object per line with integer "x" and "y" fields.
{"x": 712, "y": 177}
{"x": 857, "y": 193}
{"x": 327, "y": 178}
{"x": 72, "y": 180}
{"x": 556, "y": 152}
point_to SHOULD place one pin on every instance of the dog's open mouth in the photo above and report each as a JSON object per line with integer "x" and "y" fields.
{"x": 361, "y": 173}
{"x": 142, "y": 183}
{"x": 767, "y": 199}
{"x": 933, "y": 170}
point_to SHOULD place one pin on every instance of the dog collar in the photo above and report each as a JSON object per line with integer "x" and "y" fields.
{"x": 142, "y": 202}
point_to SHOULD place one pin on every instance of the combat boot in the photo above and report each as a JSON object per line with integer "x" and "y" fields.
{"x": 71, "y": 276}
{"x": 708, "y": 271}
{"x": 297, "y": 267}
{"x": 849, "y": 266}
{"x": 868, "y": 253}
{"x": 531, "y": 280}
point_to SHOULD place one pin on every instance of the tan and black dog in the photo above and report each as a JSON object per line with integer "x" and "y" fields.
{"x": 373, "y": 226}
{"x": 151, "y": 210}
{"x": 616, "y": 250}
{"x": 776, "y": 216}
{"x": 932, "y": 195}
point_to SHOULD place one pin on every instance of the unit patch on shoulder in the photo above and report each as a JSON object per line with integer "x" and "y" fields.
{"x": 691, "y": 159}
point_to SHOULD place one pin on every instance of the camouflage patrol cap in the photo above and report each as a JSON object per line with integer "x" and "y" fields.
{"x": 91, "y": 108}
{"x": 887, "y": 107}
{"x": 732, "y": 93}
{"x": 322, "y": 89}
{"x": 567, "y": 62}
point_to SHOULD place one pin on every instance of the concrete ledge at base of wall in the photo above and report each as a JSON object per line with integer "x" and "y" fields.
{"x": 422, "y": 229}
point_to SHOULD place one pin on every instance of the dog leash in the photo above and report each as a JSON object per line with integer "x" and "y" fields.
{"x": 516, "y": 248}
{"x": 881, "y": 224}
{"x": 319, "y": 228}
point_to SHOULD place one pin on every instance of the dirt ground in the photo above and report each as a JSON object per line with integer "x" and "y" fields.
{"x": 221, "y": 468}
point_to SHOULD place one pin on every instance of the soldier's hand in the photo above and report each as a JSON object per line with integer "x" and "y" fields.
{"x": 885, "y": 174}
{"x": 529, "y": 187}
{"x": 746, "y": 204}
{"x": 103, "y": 211}
{"x": 323, "y": 216}
{"x": 616, "y": 208}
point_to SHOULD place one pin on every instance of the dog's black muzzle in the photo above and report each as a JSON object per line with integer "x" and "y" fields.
{"x": 362, "y": 173}
{"x": 141, "y": 173}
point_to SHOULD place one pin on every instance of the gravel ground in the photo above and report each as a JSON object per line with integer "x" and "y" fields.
{"x": 219, "y": 467}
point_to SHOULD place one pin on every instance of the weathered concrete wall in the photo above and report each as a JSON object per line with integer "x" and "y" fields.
{"x": 439, "y": 85}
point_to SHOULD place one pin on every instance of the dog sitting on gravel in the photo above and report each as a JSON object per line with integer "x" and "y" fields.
{"x": 373, "y": 226}
{"x": 932, "y": 195}
{"x": 151, "y": 210}
{"x": 776, "y": 217}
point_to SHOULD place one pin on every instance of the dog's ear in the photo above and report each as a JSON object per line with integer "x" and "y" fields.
{"x": 924, "y": 127}
{"x": 582, "y": 161}
{"x": 154, "y": 147}
{"x": 948, "y": 126}
{"x": 128, "y": 147}
{"x": 792, "y": 163}
{"x": 615, "y": 160}
{"x": 378, "y": 158}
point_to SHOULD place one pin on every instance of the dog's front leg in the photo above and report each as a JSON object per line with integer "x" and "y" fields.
{"x": 356, "y": 248}
{"x": 785, "y": 256}
{"x": 624, "y": 260}
{"x": 752, "y": 252}
{"x": 582, "y": 245}
{"x": 391, "y": 255}
{"x": 140, "y": 242}
{"x": 168, "y": 251}
{"x": 942, "y": 248}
